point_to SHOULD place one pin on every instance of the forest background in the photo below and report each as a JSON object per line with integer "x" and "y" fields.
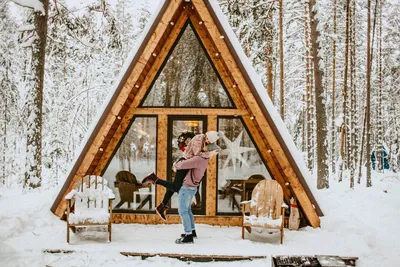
{"x": 331, "y": 68}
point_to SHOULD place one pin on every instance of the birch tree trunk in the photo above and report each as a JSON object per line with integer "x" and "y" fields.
{"x": 368, "y": 93}
{"x": 33, "y": 174}
{"x": 281, "y": 73}
{"x": 362, "y": 146}
{"x": 333, "y": 126}
{"x": 268, "y": 58}
{"x": 379, "y": 150}
{"x": 3, "y": 180}
{"x": 309, "y": 87}
{"x": 322, "y": 144}
{"x": 304, "y": 124}
{"x": 344, "y": 127}
{"x": 352, "y": 122}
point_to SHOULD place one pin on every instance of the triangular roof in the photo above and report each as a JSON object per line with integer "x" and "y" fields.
{"x": 243, "y": 84}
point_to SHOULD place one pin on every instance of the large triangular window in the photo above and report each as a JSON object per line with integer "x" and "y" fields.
{"x": 187, "y": 78}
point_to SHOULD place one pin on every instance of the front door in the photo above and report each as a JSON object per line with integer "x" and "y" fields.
{"x": 180, "y": 130}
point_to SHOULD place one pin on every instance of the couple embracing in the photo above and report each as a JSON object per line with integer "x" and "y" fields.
{"x": 190, "y": 170}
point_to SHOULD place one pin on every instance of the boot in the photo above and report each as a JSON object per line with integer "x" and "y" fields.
{"x": 161, "y": 210}
{"x": 187, "y": 239}
{"x": 150, "y": 178}
{"x": 193, "y": 234}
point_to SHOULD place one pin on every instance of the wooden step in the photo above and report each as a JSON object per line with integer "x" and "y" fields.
{"x": 194, "y": 257}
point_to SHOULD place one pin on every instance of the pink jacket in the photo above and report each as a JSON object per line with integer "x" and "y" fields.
{"x": 195, "y": 146}
{"x": 197, "y": 166}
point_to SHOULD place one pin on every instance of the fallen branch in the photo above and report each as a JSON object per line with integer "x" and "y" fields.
{"x": 54, "y": 251}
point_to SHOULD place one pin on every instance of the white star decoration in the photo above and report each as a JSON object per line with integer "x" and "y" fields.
{"x": 234, "y": 151}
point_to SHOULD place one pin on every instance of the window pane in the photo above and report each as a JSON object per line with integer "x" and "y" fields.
{"x": 134, "y": 159}
{"x": 188, "y": 78}
{"x": 239, "y": 165}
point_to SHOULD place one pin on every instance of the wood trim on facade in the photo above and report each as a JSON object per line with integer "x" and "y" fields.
{"x": 211, "y": 190}
{"x": 191, "y": 111}
{"x": 175, "y": 219}
{"x": 162, "y": 137}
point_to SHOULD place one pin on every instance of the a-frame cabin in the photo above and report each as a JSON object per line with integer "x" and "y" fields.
{"x": 189, "y": 73}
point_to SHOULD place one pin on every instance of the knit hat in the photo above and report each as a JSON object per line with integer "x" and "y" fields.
{"x": 213, "y": 136}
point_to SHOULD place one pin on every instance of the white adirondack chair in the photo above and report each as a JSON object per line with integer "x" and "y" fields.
{"x": 266, "y": 207}
{"x": 92, "y": 204}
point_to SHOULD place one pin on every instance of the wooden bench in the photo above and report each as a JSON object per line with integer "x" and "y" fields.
{"x": 91, "y": 203}
{"x": 266, "y": 207}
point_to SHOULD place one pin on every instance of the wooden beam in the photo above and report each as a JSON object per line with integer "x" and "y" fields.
{"x": 191, "y": 111}
{"x": 212, "y": 169}
{"x": 162, "y": 145}
{"x": 193, "y": 257}
{"x": 175, "y": 219}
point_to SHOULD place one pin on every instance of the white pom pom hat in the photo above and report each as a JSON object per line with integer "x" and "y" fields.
{"x": 213, "y": 136}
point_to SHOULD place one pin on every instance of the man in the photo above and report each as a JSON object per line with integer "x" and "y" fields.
{"x": 197, "y": 166}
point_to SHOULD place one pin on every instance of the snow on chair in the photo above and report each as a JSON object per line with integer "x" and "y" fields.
{"x": 92, "y": 204}
{"x": 266, "y": 207}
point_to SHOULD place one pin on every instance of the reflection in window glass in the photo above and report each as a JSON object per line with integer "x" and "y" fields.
{"x": 134, "y": 159}
{"x": 188, "y": 78}
{"x": 239, "y": 165}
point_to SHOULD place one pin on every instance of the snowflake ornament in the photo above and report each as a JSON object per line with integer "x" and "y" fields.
{"x": 234, "y": 151}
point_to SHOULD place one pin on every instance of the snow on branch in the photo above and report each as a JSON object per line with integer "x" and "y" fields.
{"x": 34, "y": 4}
{"x": 28, "y": 27}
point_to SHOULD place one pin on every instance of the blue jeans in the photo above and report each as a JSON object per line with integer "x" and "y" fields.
{"x": 186, "y": 195}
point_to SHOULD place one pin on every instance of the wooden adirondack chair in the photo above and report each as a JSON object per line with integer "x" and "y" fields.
{"x": 127, "y": 185}
{"x": 266, "y": 207}
{"x": 92, "y": 204}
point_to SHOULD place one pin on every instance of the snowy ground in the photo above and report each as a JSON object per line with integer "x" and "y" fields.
{"x": 362, "y": 223}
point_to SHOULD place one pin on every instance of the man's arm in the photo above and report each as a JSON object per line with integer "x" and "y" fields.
{"x": 186, "y": 164}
